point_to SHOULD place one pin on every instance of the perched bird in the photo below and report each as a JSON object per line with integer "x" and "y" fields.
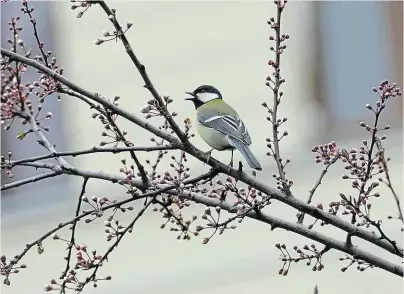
{"x": 219, "y": 124}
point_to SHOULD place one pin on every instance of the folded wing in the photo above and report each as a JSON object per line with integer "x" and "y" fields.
{"x": 229, "y": 125}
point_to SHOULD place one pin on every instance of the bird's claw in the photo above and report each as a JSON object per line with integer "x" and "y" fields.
{"x": 209, "y": 153}
{"x": 231, "y": 163}
{"x": 228, "y": 169}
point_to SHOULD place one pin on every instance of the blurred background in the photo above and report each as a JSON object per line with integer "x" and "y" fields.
{"x": 337, "y": 52}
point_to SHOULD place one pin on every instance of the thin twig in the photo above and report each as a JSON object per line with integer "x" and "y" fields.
{"x": 72, "y": 238}
{"x": 81, "y": 97}
{"x": 316, "y": 290}
{"x": 132, "y": 153}
{"x": 142, "y": 70}
{"x": 170, "y": 189}
{"x": 94, "y": 149}
{"x": 30, "y": 180}
{"x": 92, "y": 277}
{"x": 173, "y": 215}
{"x": 389, "y": 184}
{"x": 316, "y": 185}
{"x": 36, "y": 35}
{"x": 42, "y": 139}
{"x": 275, "y": 90}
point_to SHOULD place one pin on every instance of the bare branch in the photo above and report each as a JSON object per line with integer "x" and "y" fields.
{"x": 388, "y": 183}
{"x": 173, "y": 192}
{"x": 90, "y": 95}
{"x": 303, "y": 231}
{"x": 72, "y": 238}
{"x": 92, "y": 277}
{"x": 30, "y": 180}
{"x": 95, "y": 149}
{"x": 142, "y": 70}
{"x": 275, "y": 222}
{"x": 121, "y": 137}
{"x": 263, "y": 217}
{"x": 42, "y": 139}
{"x": 316, "y": 185}
{"x": 294, "y": 202}
{"x": 276, "y": 99}
{"x": 172, "y": 189}
{"x": 36, "y": 35}
{"x": 240, "y": 176}
{"x": 277, "y": 80}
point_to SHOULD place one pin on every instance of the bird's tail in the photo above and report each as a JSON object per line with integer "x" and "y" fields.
{"x": 247, "y": 154}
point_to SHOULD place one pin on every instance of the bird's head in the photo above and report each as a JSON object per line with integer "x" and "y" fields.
{"x": 203, "y": 94}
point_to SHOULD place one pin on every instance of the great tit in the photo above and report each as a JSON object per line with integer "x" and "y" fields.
{"x": 219, "y": 124}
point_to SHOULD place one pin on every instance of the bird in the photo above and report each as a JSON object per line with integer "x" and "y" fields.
{"x": 219, "y": 125}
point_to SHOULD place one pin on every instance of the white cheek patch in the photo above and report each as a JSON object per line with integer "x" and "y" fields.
{"x": 205, "y": 97}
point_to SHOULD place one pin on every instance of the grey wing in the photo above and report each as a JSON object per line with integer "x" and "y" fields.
{"x": 229, "y": 125}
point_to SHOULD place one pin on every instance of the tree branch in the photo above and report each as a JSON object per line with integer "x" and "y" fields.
{"x": 95, "y": 149}
{"x": 43, "y": 141}
{"x": 275, "y": 222}
{"x": 316, "y": 185}
{"x": 93, "y": 96}
{"x": 388, "y": 183}
{"x": 129, "y": 228}
{"x": 72, "y": 238}
{"x": 277, "y": 81}
{"x": 184, "y": 191}
{"x": 263, "y": 217}
{"x": 171, "y": 189}
{"x": 142, "y": 70}
{"x": 30, "y": 180}
{"x": 203, "y": 157}
{"x": 303, "y": 231}
{"x": 121, "y": 137}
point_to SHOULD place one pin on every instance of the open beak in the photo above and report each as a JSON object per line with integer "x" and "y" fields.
{"x": 191, "y": 94}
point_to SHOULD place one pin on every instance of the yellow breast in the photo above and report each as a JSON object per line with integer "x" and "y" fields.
{"x": 213, "y": 138}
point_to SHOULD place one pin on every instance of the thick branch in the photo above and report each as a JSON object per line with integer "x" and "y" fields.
{"x": 93, "y": 96}
{"x": 346, "y": 226}
{"x": 263, "y": 217}
{"x": 203, "y": 157}
{"x": 303, "y": 231}
{"x": 170, "y": 189}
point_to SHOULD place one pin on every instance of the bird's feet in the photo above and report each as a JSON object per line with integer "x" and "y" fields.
{"x": 209, "y": 153}
{"x": 229, "y": 166}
